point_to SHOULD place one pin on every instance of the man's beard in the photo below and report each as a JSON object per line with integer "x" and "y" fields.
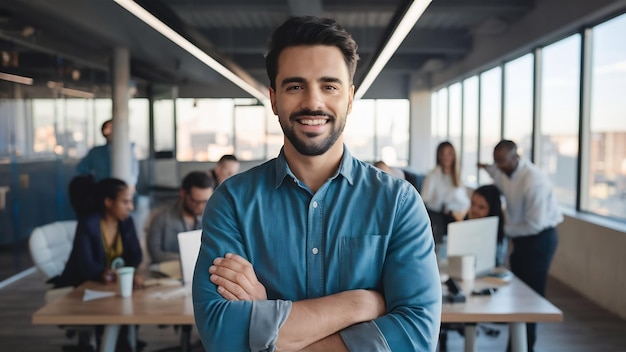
{"x": 188, "y": 210}
{"x": 309, "y": 148}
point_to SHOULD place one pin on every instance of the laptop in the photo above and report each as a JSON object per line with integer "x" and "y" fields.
{"x": 189, "y": 247}
{"x": 477, "y": 237}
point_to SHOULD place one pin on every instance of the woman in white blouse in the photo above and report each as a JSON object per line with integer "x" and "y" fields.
{"x": 442, "y": 191}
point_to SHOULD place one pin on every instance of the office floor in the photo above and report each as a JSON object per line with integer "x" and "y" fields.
{"x": 14, "y": 258}
{"x": 586, "y": 326}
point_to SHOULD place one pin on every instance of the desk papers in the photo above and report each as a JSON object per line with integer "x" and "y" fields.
{"x": 94, "y": 294}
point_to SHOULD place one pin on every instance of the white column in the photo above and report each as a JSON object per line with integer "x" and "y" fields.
{"x": 421, "y": 151}
{"x": 120, "y": 157}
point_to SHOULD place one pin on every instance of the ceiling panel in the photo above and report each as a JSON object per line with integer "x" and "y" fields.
{"x": 53, "y": 37}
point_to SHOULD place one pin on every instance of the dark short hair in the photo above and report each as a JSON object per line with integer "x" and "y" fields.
{"x": 104, "y": 125}
{"x": 109, "y": 188}
{"x": 506, "y": 145}
{"x": 227, "y": 157}
{"x": 310, "y": 30}
{"x": 198, "y": 179}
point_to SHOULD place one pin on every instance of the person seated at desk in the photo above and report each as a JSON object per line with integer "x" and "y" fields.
{"x": 105, "y": 240}
{"x": 486, "y": 201}
{"x": 185, "y": 214}
{"x": 227, "y": 166}
{"x": 102, "y": 237}
{"x": 443, "y": 193}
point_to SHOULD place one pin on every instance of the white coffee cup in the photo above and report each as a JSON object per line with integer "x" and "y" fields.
{"x": 462, "y": 267}
{"x": 125, "y": 277}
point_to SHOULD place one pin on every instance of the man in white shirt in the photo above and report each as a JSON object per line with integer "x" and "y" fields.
{"x": 532, "y": 217}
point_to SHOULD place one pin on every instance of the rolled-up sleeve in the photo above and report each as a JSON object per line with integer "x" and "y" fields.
{"x": 267, "y": 318}
{"x": 222, "y": 325}
{"x": 364, "y": 337}
{"x": 412, "y": 287}
{"x": 230, "y": 325}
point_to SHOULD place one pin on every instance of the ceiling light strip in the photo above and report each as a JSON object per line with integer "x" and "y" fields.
{"x": 69, "y": 91}
{"x": 176, "y": 38}
{"x": 76, "y": 93}
{"x": 16, "y": 79}
{"x": 407, "y": 22}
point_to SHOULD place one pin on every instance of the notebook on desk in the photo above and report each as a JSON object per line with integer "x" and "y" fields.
{"x": 477, "y": 237}
{"x": 189, "y": 247}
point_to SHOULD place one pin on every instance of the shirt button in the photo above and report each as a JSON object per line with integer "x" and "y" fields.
{"x": 315, "y": 250}
{"x": 314, "y": 204}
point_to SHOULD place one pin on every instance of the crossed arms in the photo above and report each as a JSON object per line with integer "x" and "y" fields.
{"x": 277, "y": 310}
{"x": 312, "y": 324}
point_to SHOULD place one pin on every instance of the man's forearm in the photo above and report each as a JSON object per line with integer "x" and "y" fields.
{"x": 333, "y": 343}
{"x": 311, "y": 321}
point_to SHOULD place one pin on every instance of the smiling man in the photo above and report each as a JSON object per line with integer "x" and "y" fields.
{"x": 315, "y": 250}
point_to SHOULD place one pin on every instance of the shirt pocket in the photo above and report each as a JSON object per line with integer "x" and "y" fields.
{"x": 361, "y": 260}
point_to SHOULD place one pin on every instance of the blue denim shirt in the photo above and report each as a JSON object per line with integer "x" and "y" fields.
{"x": 98, "y": 163}
{"x": 363, "y": 229}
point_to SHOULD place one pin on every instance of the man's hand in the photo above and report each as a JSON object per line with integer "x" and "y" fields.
{"x": 236, "y": 280}
{"x": 481, "y": 165}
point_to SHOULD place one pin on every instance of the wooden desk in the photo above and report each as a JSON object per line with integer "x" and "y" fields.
{"x": 514, "y": 303}
{"x": 143, "y": 308}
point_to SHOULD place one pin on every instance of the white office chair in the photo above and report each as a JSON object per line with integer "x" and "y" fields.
{"x": 50, "y": 247}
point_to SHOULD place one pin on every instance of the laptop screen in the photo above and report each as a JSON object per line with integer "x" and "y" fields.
{"x": 477, "y": 237}
{"x": 189, "y": 247}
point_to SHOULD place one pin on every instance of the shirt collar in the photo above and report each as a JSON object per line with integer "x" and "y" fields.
{"x": 522, "y": 164}
{"x": 346, "y": 168}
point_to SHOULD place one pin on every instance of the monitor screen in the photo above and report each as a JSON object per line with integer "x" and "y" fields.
{"x": 477, "y": 237}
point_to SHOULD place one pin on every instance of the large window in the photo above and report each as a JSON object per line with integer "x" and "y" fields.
{"x": 209, "y": 128}
{"x": 469, "y": 158}
{"x": 45, "y": 118}
{"x": 250, "y": 132}
{"x": 9, "y": 108}
{"x": 46, "y": 128}
{"x": 392, "y": 131}
{"x": 490, "y": 117}
{"x": 359, "y": 131}
{"x": 204, "y": 129}
{"x": 379, "y": 130}
{"x": 518, "y": 103}
{"x": 455, "y": 116}
{"x": 606, "y": 192}
{"x": 545, "y": 122}
{"x": 275, "y": 138}
{"x": 164, "y": 125}
{"x": 138, "y": 125}
{"x": 440, "y": 120}
{"x": 558, "y": 149}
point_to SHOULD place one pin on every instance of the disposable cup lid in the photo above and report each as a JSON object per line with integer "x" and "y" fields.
{"x": 125, "y": 270}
